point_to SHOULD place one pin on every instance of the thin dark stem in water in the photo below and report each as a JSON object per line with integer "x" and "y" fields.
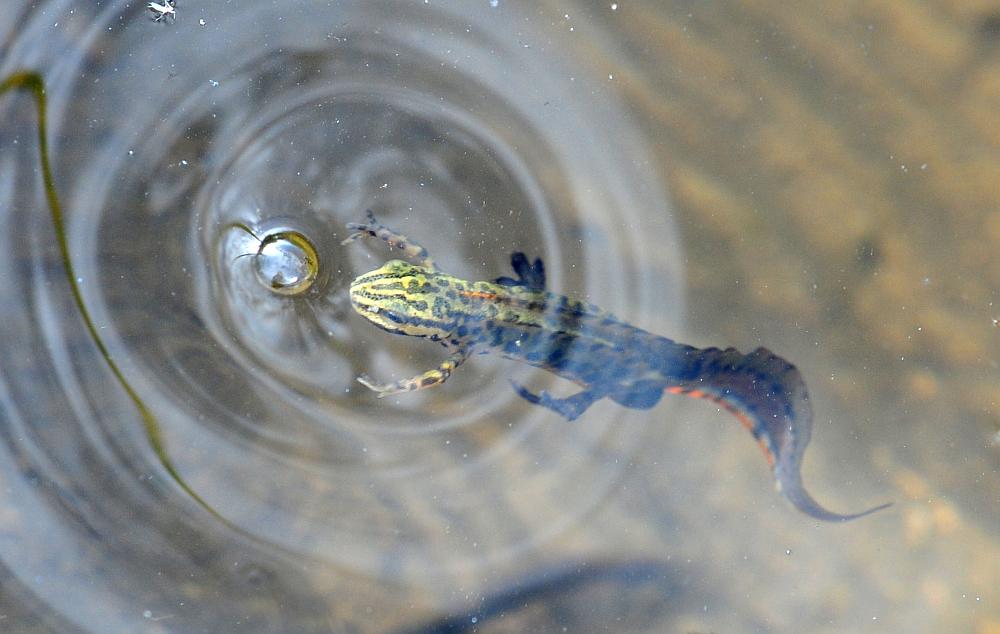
{"x": 33, "y": 83}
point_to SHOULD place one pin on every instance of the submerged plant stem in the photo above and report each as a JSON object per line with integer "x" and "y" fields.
{"x": 33, "y": 82}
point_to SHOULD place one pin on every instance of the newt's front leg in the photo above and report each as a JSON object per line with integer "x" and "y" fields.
{"x": 430, "y": 378}
{"x": 376, "y": 229}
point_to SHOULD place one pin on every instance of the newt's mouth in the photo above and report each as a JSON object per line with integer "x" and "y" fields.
{"x": 362, "y": 304}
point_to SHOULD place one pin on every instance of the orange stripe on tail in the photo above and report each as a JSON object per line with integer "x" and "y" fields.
{"x": 768, "y": 396}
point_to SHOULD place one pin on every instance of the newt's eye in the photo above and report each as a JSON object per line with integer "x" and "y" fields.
{"x": 392, "y": 316}
{"x": 383, "y": 314}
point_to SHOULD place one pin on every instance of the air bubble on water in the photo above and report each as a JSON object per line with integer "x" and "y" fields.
{"x": 286, "y": 263}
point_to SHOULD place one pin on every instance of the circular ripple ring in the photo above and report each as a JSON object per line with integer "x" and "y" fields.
{"x": 207, "y": 168}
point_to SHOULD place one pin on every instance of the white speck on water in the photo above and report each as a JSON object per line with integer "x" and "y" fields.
{"x": 788, "y": 551}
{"x": 474, "y": 620}
{"x": 131, "y": 152}
{"x": 614, "y": 6}
{"x": 202, "y": 22}
{"x": 611, "y": 76}
{"x": 494, "y": 4}
{"x": 213, "y": 83}
{"x": 147, "y": 614}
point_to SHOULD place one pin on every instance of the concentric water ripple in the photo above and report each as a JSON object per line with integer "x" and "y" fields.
{"x": 179, "y": 149}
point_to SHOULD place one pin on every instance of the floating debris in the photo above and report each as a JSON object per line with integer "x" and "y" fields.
{"x": 163, "y": 11}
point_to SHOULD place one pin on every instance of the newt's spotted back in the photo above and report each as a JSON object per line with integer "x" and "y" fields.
{"x": 518, "y": 319}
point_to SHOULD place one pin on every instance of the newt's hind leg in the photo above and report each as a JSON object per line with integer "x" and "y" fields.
{"x": 430, "y": 378}
{"x": 569, "y": 408}
{"x": 374, "y": 228}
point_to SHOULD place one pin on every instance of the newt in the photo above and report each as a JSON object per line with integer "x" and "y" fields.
{"x": 607, "y": 357}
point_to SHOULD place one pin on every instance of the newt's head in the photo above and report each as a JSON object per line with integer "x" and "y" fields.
{"x": 404, "y": 299}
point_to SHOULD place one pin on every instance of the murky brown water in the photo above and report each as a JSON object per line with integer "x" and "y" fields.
{"x": 823, "y": 182}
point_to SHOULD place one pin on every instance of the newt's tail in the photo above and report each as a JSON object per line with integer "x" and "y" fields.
{"x": 769, "y": 397}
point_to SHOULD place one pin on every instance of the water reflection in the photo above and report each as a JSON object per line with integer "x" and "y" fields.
{"x": 632, "y": 596}
{"x": 206, "y": 182}
{"x": 834, "y": 170}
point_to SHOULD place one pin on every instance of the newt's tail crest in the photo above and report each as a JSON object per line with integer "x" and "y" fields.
{"x": 769, "y": 397}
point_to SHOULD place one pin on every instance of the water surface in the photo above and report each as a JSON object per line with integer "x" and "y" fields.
{"x": 822, "y": 184}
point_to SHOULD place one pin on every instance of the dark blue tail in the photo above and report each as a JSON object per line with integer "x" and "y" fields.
{"x": 767, "y": 394}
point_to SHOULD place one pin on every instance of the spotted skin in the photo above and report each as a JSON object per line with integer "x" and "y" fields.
{"x": 608, "y": 358}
